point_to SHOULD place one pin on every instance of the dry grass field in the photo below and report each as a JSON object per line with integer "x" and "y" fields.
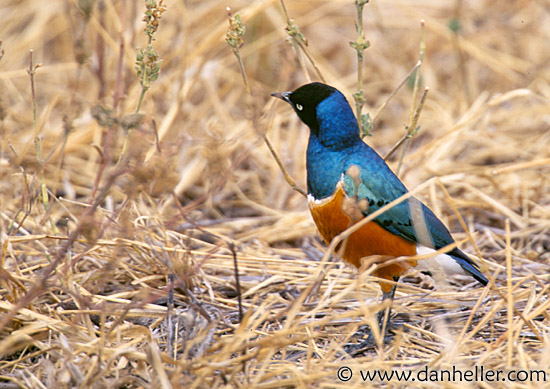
{"x": 121, "y": 219}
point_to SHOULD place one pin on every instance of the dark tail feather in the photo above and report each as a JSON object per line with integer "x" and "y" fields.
{"x": 468, "y": 265}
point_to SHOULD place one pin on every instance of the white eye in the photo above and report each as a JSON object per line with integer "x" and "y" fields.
{"x": 299, "y": 107}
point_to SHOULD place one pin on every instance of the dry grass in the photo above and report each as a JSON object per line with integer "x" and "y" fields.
{"x": 87, "y": 272}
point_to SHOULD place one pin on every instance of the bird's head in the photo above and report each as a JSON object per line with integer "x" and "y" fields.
{"x": 324, "y": 110}
{"x": 305, "y": 100}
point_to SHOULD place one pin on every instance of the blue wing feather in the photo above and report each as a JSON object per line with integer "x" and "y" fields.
{"x": 380, "y": 186}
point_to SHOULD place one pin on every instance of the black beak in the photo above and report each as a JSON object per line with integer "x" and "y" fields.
{"x": 282, "y": 95}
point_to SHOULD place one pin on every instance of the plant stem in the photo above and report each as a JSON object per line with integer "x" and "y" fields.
{"x": 360, "y": 45}
{"x": 32, "y": 71}
{"x": 412, "y": 129}
{"x": 235, "y": 41}
{"x": 359, "y": 102}
{"x": 394, "y": 92}
{"x": 300, "y": 42}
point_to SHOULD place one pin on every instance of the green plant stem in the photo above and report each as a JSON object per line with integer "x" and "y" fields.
{"x": 417, "y": 75}
{"x": 394, "y": 92}
{"x": 297, "y": 43}
{"x": 141, "y": 95}
{"x": 359, "y": 99}
{"x": 411, "y": 130}
{"x": 286, "y": 175}
{"x": 31, "y": 72}
{"x": 43, "y": 187}
{"x": 144, "y": 81}
{"x": 288, "y": 178}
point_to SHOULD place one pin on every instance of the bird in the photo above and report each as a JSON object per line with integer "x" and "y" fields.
{"x": 347, "y": 180}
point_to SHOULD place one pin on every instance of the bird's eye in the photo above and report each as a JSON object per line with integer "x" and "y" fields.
{"x": 299, "y": 107}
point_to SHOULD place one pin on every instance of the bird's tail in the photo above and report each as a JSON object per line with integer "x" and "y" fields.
{"x": 468, "y": 265}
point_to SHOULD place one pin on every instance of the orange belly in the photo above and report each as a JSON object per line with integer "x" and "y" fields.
{"x": 371, "y": 239}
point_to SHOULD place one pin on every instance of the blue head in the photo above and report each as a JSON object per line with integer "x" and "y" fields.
{"x": 333, "y": 133}
{"x": 326, "y": 112}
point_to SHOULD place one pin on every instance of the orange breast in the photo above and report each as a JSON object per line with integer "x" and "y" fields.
{"x": 371, "y": 239}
